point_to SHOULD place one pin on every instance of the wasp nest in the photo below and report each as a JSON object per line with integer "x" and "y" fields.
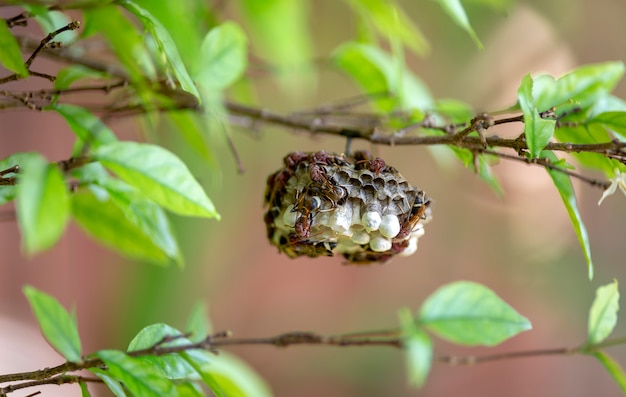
{"x": 320, "y": 204}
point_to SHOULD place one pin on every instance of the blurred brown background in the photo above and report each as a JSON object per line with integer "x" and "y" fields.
{"x": 521, "y": 245}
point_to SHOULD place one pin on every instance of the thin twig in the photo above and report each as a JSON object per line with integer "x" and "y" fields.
{"x": 70, "y": 26}
{"x": 233, "y": 150}
{"x": 18, "y": 20}
{"x": 55, "y": 380}
{"x": 472, "y": 360}
{"x": 391, "y": 338}
{"x": 71, "y": 56}
{"x": 42, "y": 44}
{"x": 330, "y": 119}
{"x": 547, "y": 164}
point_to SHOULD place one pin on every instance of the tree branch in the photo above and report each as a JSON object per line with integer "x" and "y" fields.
{"x": 55, "y": 380}
{"x": 42, "y": 44}
{"x": 62, "y": 374}
{"x": 337, "y": 119}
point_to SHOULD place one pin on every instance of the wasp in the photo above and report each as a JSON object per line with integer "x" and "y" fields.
{"x": 303, "y": 226}
{"x": 294, "y": 158}
{"x": 276, "y": 183}
{"x": 318, "y": 174}
{"x": 418, "y": 213}
{"x": 367, "y": 257}
{"x": 293, "y": 246}
{"x": 305, "y": 205}
{"x": 364, "y": 160}
{"x": 377, "y": 166}
{"x": 337, "y": 195}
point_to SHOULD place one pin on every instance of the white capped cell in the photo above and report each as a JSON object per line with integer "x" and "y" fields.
{"x": 371, "y": 220}
{"x": 418, "y": 231}
{"x": 356, "y": 214}
{"x": 322, "y": 218}
{"x": 379, "y": 243}
{"x": 341, "y": 218}
{"x": 347, "y": 233}
{"x": 345, "y": 246}
{"x": 411, "y": 248}
{"x": 360, "y": 237}
{"x": 389, "y": 226}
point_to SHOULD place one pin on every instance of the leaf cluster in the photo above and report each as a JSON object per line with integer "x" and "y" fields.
{"x": 159, "y": 361}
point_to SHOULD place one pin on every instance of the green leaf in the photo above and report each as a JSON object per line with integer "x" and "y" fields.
{"x": 172, "y": 366}
{"x": 354, "y": 60}
{"x": 603, "y": 313}
{"x": 607, "y": 103}
{"x": 138, "y": 377}
{"x": 227, "y": 375}
{"x": 57, "y": 325}
{"x": 418, "y": 347}
{"x": 88, "y": 128}
{"x": 566, "y": 190}
{"x": 470, "y": 314}
{"x": 614, "y": 121}
{"x": 282, "y": 38}
{"x": 455, "y": 9}
{"x": 499, "y": 5}
{"x": 42, "y": 201}
{"x": 615, "y": 370}
{"x": 454, "y": 110}
{"x": 198, "y": 325}
{"x": 84, "y": 391}
{"x": 159, "y": 175}
{"x": 146, "y": 215}
{"x": 200, "y": 361}
{"x": 124, "y": 40}
{"x": 468, "y": 159}
{"x": 484, "y": 171}
{"x": 579, "y": 88}
{"x": 10, "y": 54}
{"x": 112, "y": 228}
{"x": 90, "y": 173}
{"x": 223, "y": 56}
{"x": 377, "y": 72}
{"x": 114, "y": 386}
{"x": 68, "y": 75}
{"x": 194, "y": 131}
{"x": 165, "y": 44}
{"x": 156, "y": 334}
{"x": 585, "y": 134}
{"x": 189, "y": 389}
{"x": 537, "y": 130}
{"x": 390, "y": 20}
